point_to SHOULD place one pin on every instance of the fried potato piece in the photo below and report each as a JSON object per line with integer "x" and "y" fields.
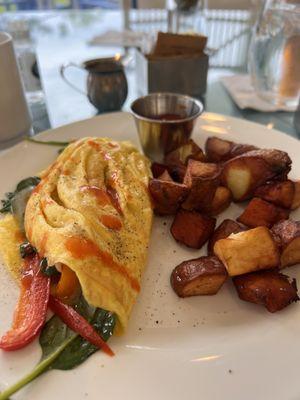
{"x": 158, "y": 169}
{"x": 203, "y": 180}
{"x": 287, "y": 236}
{"x": 268, "y": 288}
{"x": 167, "y": 195}
{"x": 165, "y": 176}
{"x": 296, "y": 199}
{"x": 220, "y": 150}
{"x": 220, "y": 202}
{"x": 245, "y": 173}
{"x": 262, "y": 213}
{"x": 279, "y": 193}
{"x": 248, "y": 251}
{"x": 182, "y": 154}
{"x": 177, "y": 172}
{"x": 192, "y": 228}
{"x": 225, "y": 229}
{"x": 200, "y": 276}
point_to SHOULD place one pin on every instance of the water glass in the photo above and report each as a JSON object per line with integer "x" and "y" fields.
{"x": 274, "y": 56}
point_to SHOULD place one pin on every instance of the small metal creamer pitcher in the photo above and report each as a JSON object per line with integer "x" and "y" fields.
{"x": 106, "y": 82}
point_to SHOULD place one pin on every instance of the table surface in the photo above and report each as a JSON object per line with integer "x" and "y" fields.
{"x": 63, "y": 36}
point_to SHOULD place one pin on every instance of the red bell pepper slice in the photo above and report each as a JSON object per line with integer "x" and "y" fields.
{"x": 78, "y": 324}
{"x": 31, "y": 310}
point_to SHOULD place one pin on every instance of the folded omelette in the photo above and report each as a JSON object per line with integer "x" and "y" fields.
{"x": 92, "y": 212}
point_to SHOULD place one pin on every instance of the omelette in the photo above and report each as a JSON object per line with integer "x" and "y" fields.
{"x": 90, "y": 212}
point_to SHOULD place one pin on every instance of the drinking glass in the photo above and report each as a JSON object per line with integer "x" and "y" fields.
{"x": 274, "y": 56}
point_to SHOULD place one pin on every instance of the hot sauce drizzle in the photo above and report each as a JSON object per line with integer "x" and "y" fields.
{"x": 111, "y": 222}
{"x": 115, "y": 200}
{"x": 80, "y": 248}
{"x": 101, "y": 195}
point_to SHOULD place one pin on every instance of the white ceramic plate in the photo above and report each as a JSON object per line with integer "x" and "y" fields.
{"x": 196, "y": 348}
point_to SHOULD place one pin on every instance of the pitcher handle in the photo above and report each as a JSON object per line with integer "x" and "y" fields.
{"x": 62, "y": 74}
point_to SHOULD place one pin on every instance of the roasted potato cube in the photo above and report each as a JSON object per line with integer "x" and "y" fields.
{"x": 165, "y": 176}
{"x": 226, "y": 228}
{"x": 268, "y": 288}
{"x": 158, "y": 169}
{"x": 287, "y": 236}
{"x": 182, "y": 154}
{"x": 262, "y": 213}
{"x": 296, "y": 198}
{"x": 192, "y": 228}
{"x": 177, "y": 172}
{"x": 279, "y": 193}
{"x": 167, "y": 195}
{"x": 220, "y": 202}
{"x": 220, "y": 150}
{"x": 200, "y": 276}
{"x": 203, "y": 180}
{"x": 244, "y": 173}
{"x": 248, "y": 251}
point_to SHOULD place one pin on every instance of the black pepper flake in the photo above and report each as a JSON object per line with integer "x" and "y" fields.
{"x": 230, "y": 371}
{"x": 156, "y": 322}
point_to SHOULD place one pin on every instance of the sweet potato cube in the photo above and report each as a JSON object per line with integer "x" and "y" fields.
{"x": 203, "y": 180}
{"x": 167, "y": 195}
{"x": 279, "y": 193}
{"x": 225, "y": 229}
{"x": 192, "y": 228}
{"x": 182, "y": 154}
{"x": 262, "y": 213}
{"x": 245, "y": 173}
{"x": 220, "y": 202}
{"x": 248, "y": 251}
{"x": 287, "y": 236}
{"x": 200, "y": 276}
{"x": 296, "y": 198}
{"x": 220, "y": 150}
{"x": 268, "y": 288}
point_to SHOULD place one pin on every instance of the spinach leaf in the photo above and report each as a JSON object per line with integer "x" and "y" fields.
{"x": 80, "y": 349}
{"x": 49, "y": 143}
{"x": 64, "y": 349}
{"x": 18, "y": 197}
{"x": 31, "y": 181}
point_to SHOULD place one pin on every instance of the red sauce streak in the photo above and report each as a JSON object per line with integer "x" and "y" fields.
{"x": 111, "y": 222}
{"x": 47, "y": 202}
{"x": 101, "y": 195}
{"x": 115, "y": 200}
{"x": 37, "y": 188}
{"x": 99, "y": 148}
{"x": 113, "y": 145}
{"x": 114, "y": 177}
{"x": 95, "y": 145}
{"x": 81, "y": 248}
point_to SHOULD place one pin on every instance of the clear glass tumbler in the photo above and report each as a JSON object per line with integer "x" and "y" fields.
{"x": 274, "y": 55}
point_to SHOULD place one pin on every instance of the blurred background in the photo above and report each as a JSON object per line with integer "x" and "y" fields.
{"x": 246, "y": 42}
